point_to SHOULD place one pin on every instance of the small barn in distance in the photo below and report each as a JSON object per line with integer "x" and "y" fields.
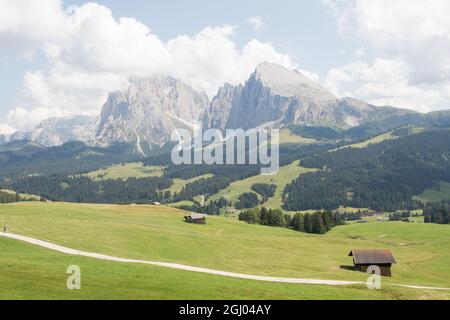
{"x": 382, "y": 258}
{"x": 196, "y": 218}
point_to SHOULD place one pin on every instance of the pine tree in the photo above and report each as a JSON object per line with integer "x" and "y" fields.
{"x": 264, "y": 216}
{"x": 318, "y": 224}
{"x": 294, "y": 222}
{"x": 288, "y": 219}
{"x": 308, "y": 223}
{"x": 300, "y": 223}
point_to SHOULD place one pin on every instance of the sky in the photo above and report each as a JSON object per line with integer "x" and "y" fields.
{"x": 62, "y": 58}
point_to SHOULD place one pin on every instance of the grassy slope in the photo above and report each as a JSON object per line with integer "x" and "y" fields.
{"x": 128, "y": 170}
{"x": 375, "y": 140}
{"x": 434, "y": 195}
{"x": 287, "y": 173}
{"x": 181, "y": 203}
{"x": 179, "y": 184}
{"x": 364, "y": 144}
{"x": 343, "y": 209}
{"x": 383, "y": 137}
{"x": 148, "y": 232}
{"x": 284, "y": 176}
{"x": 30, "y": 272}
{"x": 287, "y": 137}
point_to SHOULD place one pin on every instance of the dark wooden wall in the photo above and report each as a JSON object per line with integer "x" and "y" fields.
{"x": 384, "y": 268}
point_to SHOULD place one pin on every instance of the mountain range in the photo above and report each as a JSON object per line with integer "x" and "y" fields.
{"x": 276, "y": 96}
{"x": 149, "y": 110}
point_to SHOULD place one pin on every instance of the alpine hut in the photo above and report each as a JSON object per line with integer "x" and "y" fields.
{"x": 196, "y": 218}
{"x": 382, "y": 258}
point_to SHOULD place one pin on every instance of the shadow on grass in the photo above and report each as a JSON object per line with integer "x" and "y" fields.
{"x": 349, "y": 268}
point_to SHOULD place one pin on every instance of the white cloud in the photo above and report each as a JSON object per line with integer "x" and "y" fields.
{"x": 384, "y": 83}
{"x": 413, "y": 32}
{"x": 256, "y": 22}
{"x": 6, "y": 129}
{"x": 27, "y": 118}
{"x": 31, "y": 20}
{"x": 360, "y": 52}
{"x": 98, "y": 53}
{"x": 210, "y": 58}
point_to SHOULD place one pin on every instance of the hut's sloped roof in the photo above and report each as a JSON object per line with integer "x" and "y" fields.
{"x": 195, "y": 216}
{"x": 382, "y": 256}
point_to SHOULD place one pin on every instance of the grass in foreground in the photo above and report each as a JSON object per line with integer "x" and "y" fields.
{"x": 30, "y": 272}
{"x": 159, "y": 233}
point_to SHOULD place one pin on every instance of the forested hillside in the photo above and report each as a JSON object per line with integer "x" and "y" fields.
{"x": 22, "y": 158}
{"x": 84, "y": 189}
{"x": 383, "y": 176}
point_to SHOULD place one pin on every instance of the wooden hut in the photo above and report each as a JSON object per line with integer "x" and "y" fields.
{"x": 196, "y": 218}
{"x": 382, "y": 258}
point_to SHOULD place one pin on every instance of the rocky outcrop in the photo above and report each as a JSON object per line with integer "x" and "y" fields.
{"x": 149, "y": 111}
{"x": 277, "y": 96}
{"x": 56, "y": 131}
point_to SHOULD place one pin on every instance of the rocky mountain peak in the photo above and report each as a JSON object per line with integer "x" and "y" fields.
{"x": 57, "y": 131}
{"x": 289, "y": 83}
{"x": 275, "y": 95}
{"x": 149, "y": 111}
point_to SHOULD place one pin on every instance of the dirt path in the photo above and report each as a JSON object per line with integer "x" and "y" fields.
{"x": 65, "y": 250}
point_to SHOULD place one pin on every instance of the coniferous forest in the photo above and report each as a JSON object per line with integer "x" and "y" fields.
{"x": 84, "y": 189}
{"x": 437, "y": 213}
{"x": 382, "y": 177}
{"x": 318, "y": 223}
{"x": 6, "y": 197}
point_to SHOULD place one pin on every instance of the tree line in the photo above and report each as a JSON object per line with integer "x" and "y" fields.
{"x": 437, "y": 213}
{"x": 83, "y": 189}
{"x": 212, "y": 208}
{"x": 402, "y": 216}
{"x": 247, "y": 200}
{"x": 317, "y": 223}
{"x": 265, "y": 190}
{"x": 69, "y": 158}
{"x": 6, "y": 197}
{"x": 12, "y": 197}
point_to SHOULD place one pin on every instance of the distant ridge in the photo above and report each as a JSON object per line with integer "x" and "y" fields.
{"x": 151, "y": 109}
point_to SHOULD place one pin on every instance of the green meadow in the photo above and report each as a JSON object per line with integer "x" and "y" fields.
{"x": 179, "y": 184}
{"x": 284, "y": 176}
{"x": 374, "y": 140}
{"x": 435, "y": 194}
{"x": 159, "y": 233}
{"x": 287, "y": 137}
{"x": 29, "y": 272}
{"x": 126, "y": 170}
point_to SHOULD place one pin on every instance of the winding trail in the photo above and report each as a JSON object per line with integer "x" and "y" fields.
{"x": 70, "y": 251}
